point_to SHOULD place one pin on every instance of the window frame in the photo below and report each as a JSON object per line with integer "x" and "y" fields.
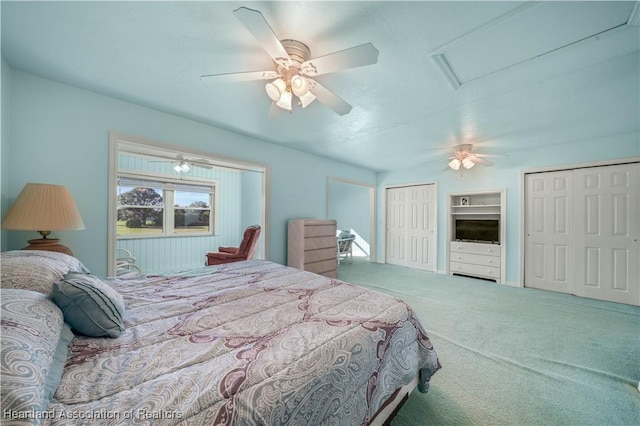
{"x": 169, "y": 185}
{"x": 126, "y": 143}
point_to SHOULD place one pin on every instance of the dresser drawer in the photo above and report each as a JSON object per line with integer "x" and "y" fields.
{"x": 476, "y": 270}
{"x": 475, "y": 259}
{"x": 319, "y": 231}
{"x": 476, "y": 248}
{"x": 325, "y": 267}
{"x": 316, "y": 243}
{"x": 319, "y": 255}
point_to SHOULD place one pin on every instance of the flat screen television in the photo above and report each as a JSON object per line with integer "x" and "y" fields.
{"x": 477, "y": 230}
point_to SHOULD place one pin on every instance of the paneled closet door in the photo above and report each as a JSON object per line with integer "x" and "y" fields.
{"x": 606, "y": 233}
{"x": 396, "y": 226}
{"x": 421, "y": 208}
{"x": 549, "y": 231}
{"x": 411, "y": 226}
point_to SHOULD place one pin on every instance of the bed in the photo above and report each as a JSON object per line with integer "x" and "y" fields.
{"x": 247, "y": 343}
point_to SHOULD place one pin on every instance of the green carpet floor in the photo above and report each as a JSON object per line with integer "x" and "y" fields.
{"x": 514, "y": 356}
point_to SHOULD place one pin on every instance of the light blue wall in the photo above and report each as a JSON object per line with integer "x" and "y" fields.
{"x": 5, "y": 95}
{"x": 250, "y": 204}
{"x": 60, "y": 135}
{"x": 505, "y": 174}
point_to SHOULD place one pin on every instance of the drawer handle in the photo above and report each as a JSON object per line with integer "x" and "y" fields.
{"x": 459, "y": 257}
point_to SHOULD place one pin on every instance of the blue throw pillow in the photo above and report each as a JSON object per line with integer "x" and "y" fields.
{"x": 90, "y": 306}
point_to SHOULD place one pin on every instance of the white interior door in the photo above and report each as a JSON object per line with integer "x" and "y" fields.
{"x": 396, "y": 226}
{"x": 607, "y": 228}
{"x": 411, "y": 226}
{"x": 582, "y": 229}
{"x": 420, "y": 227}
{"x": 549, "y": 231}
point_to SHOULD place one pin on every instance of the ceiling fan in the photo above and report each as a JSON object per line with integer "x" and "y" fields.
{"x": 294, "y": 68}
{"x": 183, "y": 164}
{"x": 463, "y": 156}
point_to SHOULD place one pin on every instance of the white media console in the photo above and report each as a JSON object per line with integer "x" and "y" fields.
{"x": 476, "y": 234}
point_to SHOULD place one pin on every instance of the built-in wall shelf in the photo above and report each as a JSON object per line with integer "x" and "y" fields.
{"x": 476, "y": 234}
{"x": 478, "y": 206}
{"x": 473, "y": 212}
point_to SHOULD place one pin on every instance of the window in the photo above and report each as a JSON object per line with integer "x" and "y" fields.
{"x": 192, "y": 209}
{"x": 159, "y": 208}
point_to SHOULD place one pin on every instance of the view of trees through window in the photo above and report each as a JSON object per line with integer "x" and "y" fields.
{"x": 140, "y": 211}
{"x": 154, "y": 208}
{"x": 191, "y": 211}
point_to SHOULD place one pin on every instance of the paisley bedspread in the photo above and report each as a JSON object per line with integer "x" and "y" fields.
{"x": 247, "y": 343}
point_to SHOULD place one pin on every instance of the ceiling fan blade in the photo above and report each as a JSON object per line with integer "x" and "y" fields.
{"x": 330, "y": 99}
{"x": 481, "y": 161}
{"x": 261, "y": 30}
{"x": 240, "y": 76}
{"x": 491, "y": 155}
{"x": 199, "y": 162}
{"x": 436, "y": 160}
{"x": 462, "y": 147}
{"x": 364, "y": 54}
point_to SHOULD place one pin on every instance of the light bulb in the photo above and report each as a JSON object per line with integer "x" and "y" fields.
{"x": 299, "y": 85}
{"x": 181, "y": 168}
{"x": 306, "y": 99}
{"x": 285, "y": 100}
{"x": 467, "y": 163}
{"x": 275, "y": 89}
{"x": 454, "y": 164}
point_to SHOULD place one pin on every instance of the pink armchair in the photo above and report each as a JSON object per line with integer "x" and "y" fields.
{"x": 236, "y": 254}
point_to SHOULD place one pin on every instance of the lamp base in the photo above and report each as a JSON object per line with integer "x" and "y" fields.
{"x": 48, "y": 244}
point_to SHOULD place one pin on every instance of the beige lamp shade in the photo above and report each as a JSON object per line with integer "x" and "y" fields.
{"x": 44, "y": 208}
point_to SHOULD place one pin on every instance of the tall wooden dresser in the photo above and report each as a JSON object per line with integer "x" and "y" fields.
{"x": 312, "y": 246}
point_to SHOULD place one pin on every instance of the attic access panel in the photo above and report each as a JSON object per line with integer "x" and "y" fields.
{"x": 526, "y": 33}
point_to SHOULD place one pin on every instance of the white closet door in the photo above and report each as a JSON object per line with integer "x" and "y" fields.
{"x": 421, "y": 205}
{"x": 549, "y": 231}
{"x": 607, "y": 222}
{"x": 411, "y": 226}
{"x": 396, "y": 226}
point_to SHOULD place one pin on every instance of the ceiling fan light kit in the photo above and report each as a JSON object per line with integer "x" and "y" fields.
{"x": 182, "y": 167}
{"x": 290, "y": 82}
{"x": 276, "y": 88}
{"x": 306, "y": 99}
{"x": 464, "y": 157}
{"x": 454, "y": 164}
{"x": 467, "y": 163}
{"x": 294, "y": 68}
{"x": 285, "y": 100}
{"x": 183, "y": 164}
{"x": 280, "y": 90}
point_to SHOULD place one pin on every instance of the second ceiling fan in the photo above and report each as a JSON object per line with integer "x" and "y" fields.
{"x": 294, "y": 67}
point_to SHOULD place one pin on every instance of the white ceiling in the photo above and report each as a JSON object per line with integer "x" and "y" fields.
{"x": 518, "y": 74}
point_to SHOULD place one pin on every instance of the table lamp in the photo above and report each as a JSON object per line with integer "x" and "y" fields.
{"x": 44, "y": 208}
